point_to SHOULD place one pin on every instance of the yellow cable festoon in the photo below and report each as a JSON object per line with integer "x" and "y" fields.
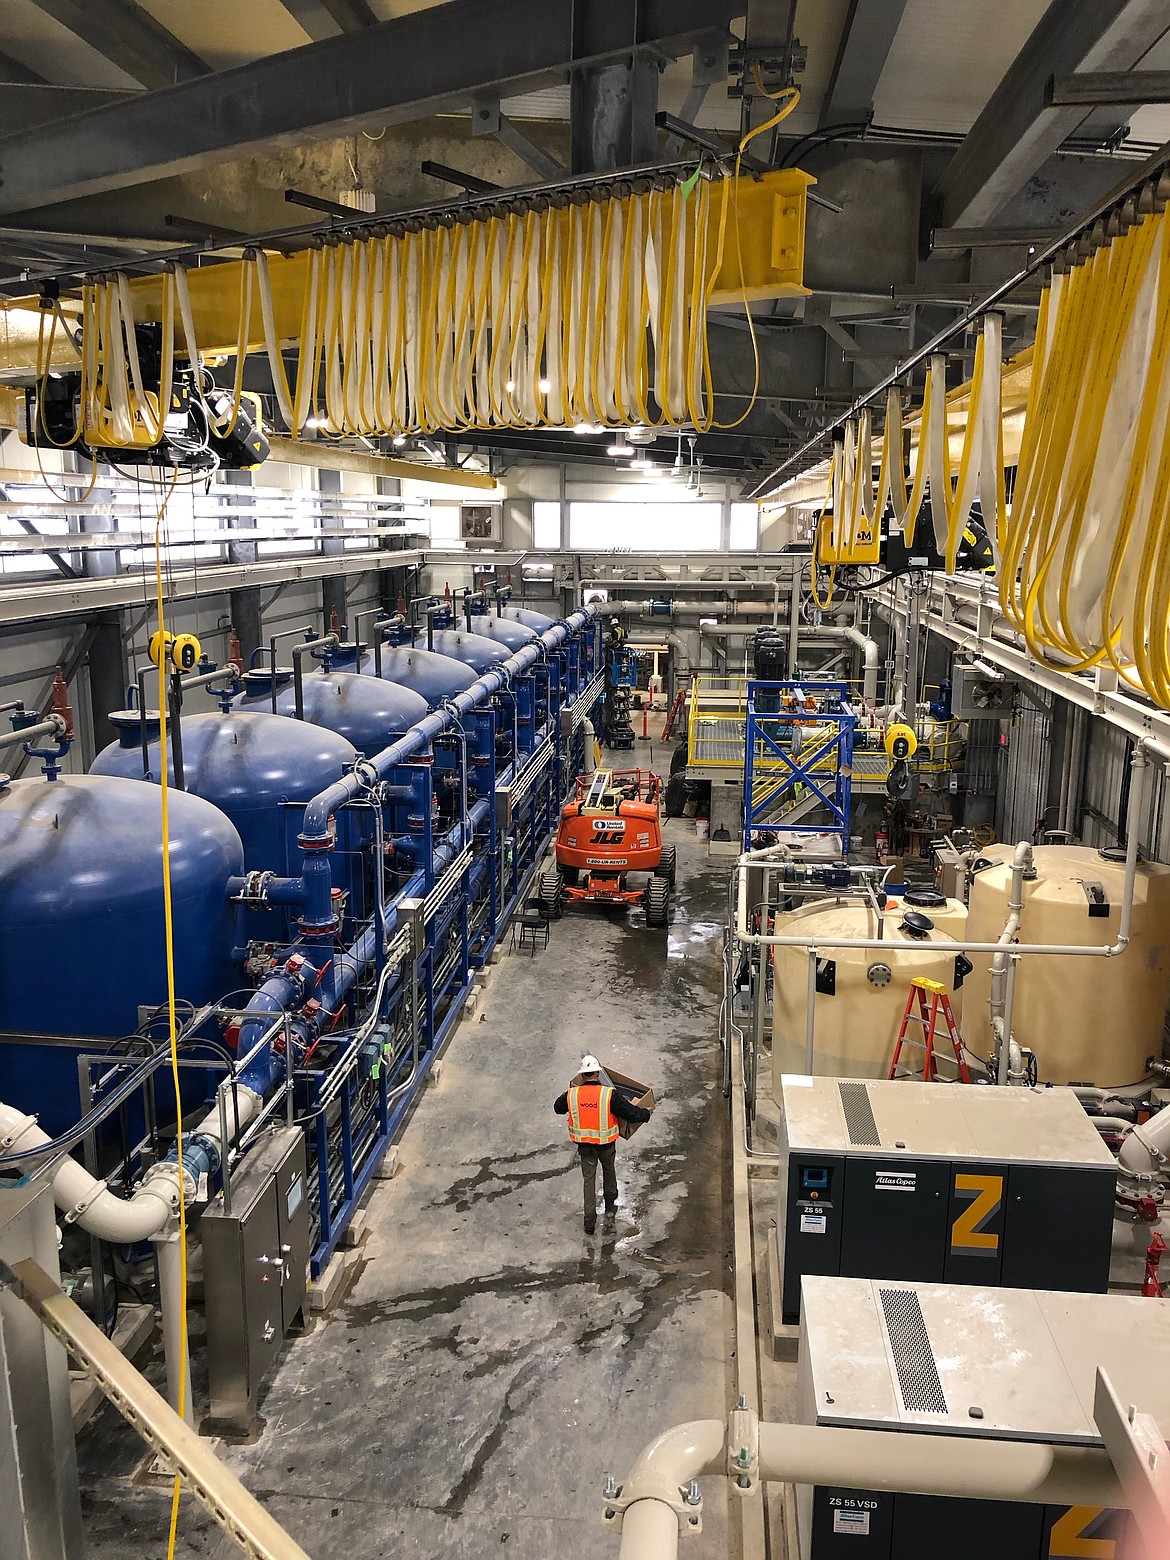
{"x": 169, "y": 943}
{"x": 590, "y": 312}
{"x": 1085, "y": 568}
{"x": 854, "y": 533}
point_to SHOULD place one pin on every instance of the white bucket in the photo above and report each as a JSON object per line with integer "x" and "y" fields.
{"x": 702, "y": 827}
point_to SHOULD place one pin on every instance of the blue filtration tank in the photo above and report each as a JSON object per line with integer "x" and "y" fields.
{"x": 479, "y": 653}
{"x": 81, "y": 921}
{"x": 248, "y": 764}
{"x": 433, "y": 677}
{"x": 537, "y": 621}
{"x": 367, "y": 711}
{"x": 505, "y": 631}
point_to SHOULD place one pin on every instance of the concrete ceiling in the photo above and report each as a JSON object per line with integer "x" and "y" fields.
{"x": 945, "y": 96}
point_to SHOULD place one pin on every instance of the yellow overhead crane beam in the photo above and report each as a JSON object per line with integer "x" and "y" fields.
{"x": 566, "y": 308}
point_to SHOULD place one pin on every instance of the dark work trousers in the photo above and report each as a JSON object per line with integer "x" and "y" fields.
{"x": 591, "y": 1157}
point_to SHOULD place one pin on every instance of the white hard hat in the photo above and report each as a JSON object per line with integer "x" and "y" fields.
{"x": 589, "y": 1064}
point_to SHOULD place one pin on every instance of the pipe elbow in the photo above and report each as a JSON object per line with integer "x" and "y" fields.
{"x": 671, "y": 1460}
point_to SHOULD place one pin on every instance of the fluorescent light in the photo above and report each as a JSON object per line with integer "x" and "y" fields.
{"x": 642, "y": 463}
{"x": 399, "y": 440}
{"x": 619, "y": 449}
{"x": 544, "y": 386}
{"x": 314, "y": 422}
{"x": 509, "y": 385}
{"x": 588, "y": 428}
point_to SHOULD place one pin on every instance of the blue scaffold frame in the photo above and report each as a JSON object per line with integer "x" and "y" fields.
{"x": 768, "y": 722}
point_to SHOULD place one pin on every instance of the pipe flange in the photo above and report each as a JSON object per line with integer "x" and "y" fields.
{"x": 686, "y": 1501}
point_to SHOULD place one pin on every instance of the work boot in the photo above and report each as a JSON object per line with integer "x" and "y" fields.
{"x": 610, "y": 1220}
{"x": 590, "y": 1226}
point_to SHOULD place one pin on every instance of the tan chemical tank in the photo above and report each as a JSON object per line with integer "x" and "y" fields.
{"x": 1089, "y": 1020}
{"x": 856, "y": 1024}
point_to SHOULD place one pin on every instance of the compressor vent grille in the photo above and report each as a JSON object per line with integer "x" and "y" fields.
{"x": 913, "y": 1356}
{"x": 863, "y": 1130}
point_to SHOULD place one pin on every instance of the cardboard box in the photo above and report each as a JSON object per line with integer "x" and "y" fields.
{"x": 637, "y": 1094}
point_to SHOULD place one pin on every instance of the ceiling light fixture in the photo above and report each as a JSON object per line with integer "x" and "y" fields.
{"x": 620, "y": 449}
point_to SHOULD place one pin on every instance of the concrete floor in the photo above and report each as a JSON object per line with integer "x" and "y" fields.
{"x": 490, "y": 1363}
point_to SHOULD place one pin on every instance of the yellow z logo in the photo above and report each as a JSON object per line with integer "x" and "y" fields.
{"x": 1067, "y": 1541}
{"x": 984, "y": 1194}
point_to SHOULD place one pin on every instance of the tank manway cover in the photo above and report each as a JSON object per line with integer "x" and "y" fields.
{"x": 921, "y": 1389}
{"x": 863, "y": 1132}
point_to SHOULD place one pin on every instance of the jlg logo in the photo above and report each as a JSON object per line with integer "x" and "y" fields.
{"x": 983, "y": 1195}
{"x": 605, "y": 830}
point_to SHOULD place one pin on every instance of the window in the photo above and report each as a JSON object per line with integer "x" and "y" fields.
{"x": 445, "y": 525}
{"x": 745, "y": 528}
{"x": 652, "y": 527}
{"x": 546, "y": 525}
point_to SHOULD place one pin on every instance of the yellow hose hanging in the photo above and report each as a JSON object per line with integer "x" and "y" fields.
{"x": 1084, "y": 568}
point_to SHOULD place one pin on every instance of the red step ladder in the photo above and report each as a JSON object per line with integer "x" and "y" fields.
{"x": 917, "y": 1012}
{"x": 676, "y": 710}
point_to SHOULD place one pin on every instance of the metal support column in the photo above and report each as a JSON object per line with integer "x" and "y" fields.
{"x": 109, "y": 675}
{"x": 244, "y": 606}
{"x": 613, "y": 108}
{"x": 332, "y": 585}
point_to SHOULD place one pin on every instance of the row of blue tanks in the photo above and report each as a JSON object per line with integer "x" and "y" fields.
{"x": 336, "y": 881}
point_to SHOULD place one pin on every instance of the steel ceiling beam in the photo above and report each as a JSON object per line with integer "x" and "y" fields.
{"x": 865, "y": 45}
{"x": 24, "y": 104}
{"x": 129, "y": 37}
{"x": 1018, "y": 129}
{"x": 1098, "y": 88}
{"x": 350, "y": 15}
{"x": 13, "y": 70}
{"x": 406, "y": 68}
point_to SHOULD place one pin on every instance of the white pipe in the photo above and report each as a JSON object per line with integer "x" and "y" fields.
{"x": 665, "y": 1466}
{"x": 1096, "y": 950}
{"x": 966, "y": 1467}
{"x": 175, "y": 1342}
{"x": 869, "y": 655}
{"x": 971, "y": 1468}
{"x": 985, "y": 669}
{"x": 86, "y": 1201}
{"x": 1147, "y": 1148}
{"x": 998, "y": 993}
{"x": 590, "y": 749}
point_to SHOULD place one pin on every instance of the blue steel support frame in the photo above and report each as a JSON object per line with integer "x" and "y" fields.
{"x": 776, "y": 714}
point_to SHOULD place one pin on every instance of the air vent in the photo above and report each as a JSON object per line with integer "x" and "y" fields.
{"x": 863, "y": 1132}
{"x": 921, "y": 1389}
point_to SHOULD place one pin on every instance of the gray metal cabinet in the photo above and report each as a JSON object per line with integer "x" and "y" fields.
{"x": 255, "y": 1273}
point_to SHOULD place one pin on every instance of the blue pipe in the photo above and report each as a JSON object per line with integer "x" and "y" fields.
{"x": 314, "y": 890}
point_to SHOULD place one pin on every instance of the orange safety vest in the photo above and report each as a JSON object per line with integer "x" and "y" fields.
{"x": 590, "y": 1118}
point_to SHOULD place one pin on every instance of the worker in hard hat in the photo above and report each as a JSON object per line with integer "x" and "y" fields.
{"x": 594, "y": 1110}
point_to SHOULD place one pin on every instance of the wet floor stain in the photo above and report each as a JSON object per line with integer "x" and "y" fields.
{"x": 485, "y": 1335}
